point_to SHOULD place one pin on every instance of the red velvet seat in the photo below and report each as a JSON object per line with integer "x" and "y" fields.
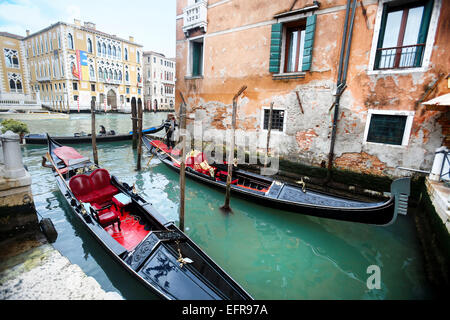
{"x": 82, "y": 188}
{"x": 101, "y": 184}
{"x": 108, "y": 217}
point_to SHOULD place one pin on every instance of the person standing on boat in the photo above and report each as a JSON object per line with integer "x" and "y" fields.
{"x": 170, "y": 125}
{"x": 102, "y": 130}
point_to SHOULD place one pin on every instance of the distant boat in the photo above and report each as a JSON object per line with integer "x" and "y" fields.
{"x": 155, "y": 251}
{"x": 34, "y": 115}
{"x": 86, "y": 138}
{"x": 300, "y": 199}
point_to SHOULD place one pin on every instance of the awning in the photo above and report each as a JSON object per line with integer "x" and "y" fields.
{"x": 69, "y": 155}
{"x": 440, "y": 103}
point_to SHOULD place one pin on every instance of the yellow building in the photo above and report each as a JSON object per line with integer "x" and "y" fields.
{"x": 14, "y": 82}
{"x": 71, "y": 63}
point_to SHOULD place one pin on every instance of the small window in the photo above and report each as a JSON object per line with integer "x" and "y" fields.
{"x": 277, "y": 119}
{"x": 128, "y": 90}
{"x": 75, "y": 98}
{"x": 294, "y": 45}
{"x": 70, "y": 41}
{"x": 89, "y": 45}
{"x": 126, "y": 54}
{"x": 75, "y": 86}
{"x": 92, "y": 87}
{"x": 388, "y": 129}
{"x": 196, "y": 58}
{"x": 128, "y": 99}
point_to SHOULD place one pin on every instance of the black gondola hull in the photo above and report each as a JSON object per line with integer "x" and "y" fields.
{"x": 157, "y": 253}
{"x": 383, "y": 213}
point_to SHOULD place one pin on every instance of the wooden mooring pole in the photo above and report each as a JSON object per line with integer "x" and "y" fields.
{"x": 93, "y": 131}
{"x": 182, "y": 158}
{"x": 140, "y": 119}
{"x": 269, "y": 129}
{"x": 226, "y": 206}
{"x": 134, "y": 121}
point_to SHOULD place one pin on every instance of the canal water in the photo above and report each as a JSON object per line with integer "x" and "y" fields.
{"x": 273, "y": 254}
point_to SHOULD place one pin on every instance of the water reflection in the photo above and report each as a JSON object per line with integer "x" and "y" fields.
{"x": 273, "y": 254}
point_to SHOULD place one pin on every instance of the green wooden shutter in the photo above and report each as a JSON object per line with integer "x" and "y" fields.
{"x": 423, "y": 32}
{"x": 381, "y": 36}
{"x": 196, "y": 58}
{"x": 275, "y": 48}
{"x": 309, "y": 42}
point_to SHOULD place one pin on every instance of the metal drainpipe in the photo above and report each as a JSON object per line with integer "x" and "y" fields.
{"x": 342, "y": 78}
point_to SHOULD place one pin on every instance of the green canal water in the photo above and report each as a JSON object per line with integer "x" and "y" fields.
{"x": 273, "y": 254}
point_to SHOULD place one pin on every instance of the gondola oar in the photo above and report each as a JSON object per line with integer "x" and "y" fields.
{"x": 83, "y": 210}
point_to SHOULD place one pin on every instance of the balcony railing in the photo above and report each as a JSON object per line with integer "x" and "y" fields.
{"x": 400, "y": 57}
{"x": 195, "y": 16}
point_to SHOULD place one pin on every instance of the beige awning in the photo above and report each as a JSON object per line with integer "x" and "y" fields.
{"x": 438, "y": 103}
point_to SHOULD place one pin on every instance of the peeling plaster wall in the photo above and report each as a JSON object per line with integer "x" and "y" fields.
{"x": 236, "y": 53}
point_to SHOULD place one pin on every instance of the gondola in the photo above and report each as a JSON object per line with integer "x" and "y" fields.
{"x": 132, "y": 231}
{"x": 300, "y": 199}
{"x": 87, "y": 138}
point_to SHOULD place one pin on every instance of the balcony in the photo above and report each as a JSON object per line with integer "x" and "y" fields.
{"x": 195, "y": 16}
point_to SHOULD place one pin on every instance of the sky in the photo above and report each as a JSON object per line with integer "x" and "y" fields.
{"x": 150, "y": 22}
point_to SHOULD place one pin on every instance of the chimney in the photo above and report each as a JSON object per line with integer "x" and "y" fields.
{"x": 89, "y": 25}
{"x": 131, "y": 39}
{"x": 77, "y": 22}
{"x": 28, "y": 32}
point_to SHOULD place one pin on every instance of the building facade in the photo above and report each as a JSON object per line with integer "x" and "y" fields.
{"x": 159, "y": 81}
{"x": 14, "y": 80}
{"x": 68, "y": 64}
{"x": 289, "y": 53}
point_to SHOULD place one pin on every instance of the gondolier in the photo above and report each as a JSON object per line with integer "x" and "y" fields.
{"x": 170, "y": 125}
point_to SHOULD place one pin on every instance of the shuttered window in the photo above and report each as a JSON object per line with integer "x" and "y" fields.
{"x": 298, "y": 42}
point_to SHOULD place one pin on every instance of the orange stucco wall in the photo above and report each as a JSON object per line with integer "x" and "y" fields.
{"x": 236, "y": 53}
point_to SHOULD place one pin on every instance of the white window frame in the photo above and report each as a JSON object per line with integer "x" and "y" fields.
{"x": 190, "y": 57}
{"x": 284, "y": 119}
{"x": 428, "y": 46}
{"x": 406, "y": 132}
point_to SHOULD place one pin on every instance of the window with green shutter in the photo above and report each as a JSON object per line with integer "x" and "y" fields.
{"x": 297, "y": 40}
{"x": 403, "y": 34}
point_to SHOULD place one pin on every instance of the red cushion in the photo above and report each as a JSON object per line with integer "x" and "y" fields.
{"x": 101, "y": 184}
{"x": 107, "y": 217}
{"x": 100, "y": 178}
{"x": 82, "y": 188}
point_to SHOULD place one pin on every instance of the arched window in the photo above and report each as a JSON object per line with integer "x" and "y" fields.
{"x": 70, "y": 41}
{"x": 114, "y": 52}
{"x": 154, "y": 89}
{"x": 109, "y": 50}
{"x": 162, "y": 90}
{"x": 89, "y": 45}
{"x": 100, "y": 73}
{"x": 110, "y": 75}
{"x": 126, "y": 54}
{"x": 119, "y": 53}
{"x": 120, "y": 75}
{"x": 19, "y": 85}
{"x": 104, "y": 49}
{"x": 138, "y": 57}
{"x": 115, "y": 75}
{"x": 99, "y": 48}
{"x": 138, "y": 77}
{"x": 12, "y": 85}
{"x": 91, "y": 72}
{"x": 126, "y": 76}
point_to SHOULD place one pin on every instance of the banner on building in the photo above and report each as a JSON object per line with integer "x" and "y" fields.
{"x": 82, "y": 63}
